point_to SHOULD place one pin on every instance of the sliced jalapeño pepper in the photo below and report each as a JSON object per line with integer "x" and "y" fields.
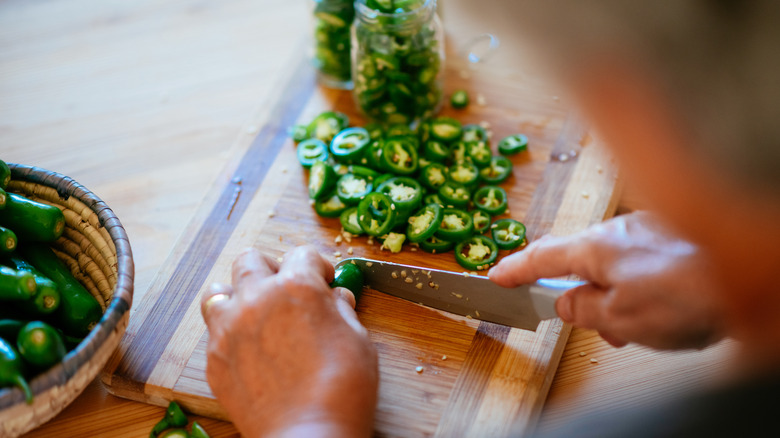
{"x": 464, "y": 172}
{"x": 376, "y": 214}
{"x": 455, "y": 226}
{"x": 375, "y": 130}
{"x": 399, "y": 156}
{"x": 474, "y": 132}
{"x": 326, "y": 125}
{"x": 481, "y": 221}
{"x": 476, "y": 253}
{"x": 405, "y": 193}
{"x": 507, "y": 233}
{"x": 330, "y": 206}
{"x": 436, "y": 151}
{"x": 513, "y": 144}
{"x": 459, "y": 99}
{"x": 351, "y": 188}
{"x": 298, "y": 133}
{"x": 424, "y": 223}
{"x": 311, "y": 150}
{"x": 374, "y": 154}
{"x": 433, "y": 198}
{"x": 497, "y": 172}
{"x": 454, "y": 194}
{"x": 479, "y": 152}
{"x": 446, "y": 129}
{"x": 349, "y": 145}
{"x": 349, "y": 221}
{"x": 433, "y": 176}
{"x": 459, "y": 152}
{"x": 322, "y": 178}
{"x": 434, "y": 245}
{"x": 491, "y": 199}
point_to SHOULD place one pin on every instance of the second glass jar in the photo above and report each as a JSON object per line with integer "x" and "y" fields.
{"x": 397, "y": 59}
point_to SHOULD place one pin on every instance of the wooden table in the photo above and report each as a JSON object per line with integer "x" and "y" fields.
{"x": 142, "y": 102}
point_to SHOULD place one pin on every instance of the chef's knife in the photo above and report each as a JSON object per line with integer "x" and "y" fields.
{"x": 464, "y": 294}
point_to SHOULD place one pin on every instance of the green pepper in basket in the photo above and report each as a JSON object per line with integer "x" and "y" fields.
{"x": 47, "y": 294}
{"x": 79, "y": 311}
{"x": 40, "y": 345}
{"x": 174, "y": 418}
{"x": 12, "y": 370}
{"x": 32, "y": 221}
{"x": 8, "y": 240}
{"x": 16, "y": 285}
{"x": 5, "y": 175}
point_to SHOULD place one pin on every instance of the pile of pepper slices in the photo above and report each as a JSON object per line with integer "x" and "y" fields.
{"x": 436, "y": 186}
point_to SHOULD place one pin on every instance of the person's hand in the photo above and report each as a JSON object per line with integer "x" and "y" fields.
{"x": 286, "y": 353}
{"x": 644, "y": 285}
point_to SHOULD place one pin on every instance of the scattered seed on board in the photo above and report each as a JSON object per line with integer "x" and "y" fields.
{"x": 419, "y": 369}
{"x": 418, "y": 285}
{"x": 481, "y": 101}
{"x": 594, "y": 360}
{"x": 585, "y": 195}
{"x": 444, "y": 357}
{"x": 583, "y": 354}
{"x": 338, "y": 239}
{"x": 350, "y": 250}
{"x": 408, "y": 280}
{"x": 337, "y": 254}
{"x": 280, "y": 259}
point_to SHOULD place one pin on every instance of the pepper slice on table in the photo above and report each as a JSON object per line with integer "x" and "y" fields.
{"x": 481, "y": 221}
{"x": 433, "y": 175}
{"x": 424, "y": 223}
{"x": 399, "y": 156}
{"x": 472, "y": 132}
{"x": 326, "y": 125}
{"x": 455, "y": 225}
{"x": 507, "y": 233}
{"x": 349, "y": 145}
{"x": 322, "y": 178}
{"x": 376, "y": 214}
{"x": 476, "y": 253}
{"x": 12, "y": 370}
{"x": 497, "y": 172}
{"x": 330, "y": 206}
{"x": 436, "y": 151}
{"x": 349, "y": 221}
{"x": 491, "y": 199}
{"x": 464, "y": 172}
{"x": 479, "y": 152}
{"x": 351, "y": 188}
{"x": 311, "y": 150}
{"x": 513, "y": 144}
{"x": 454, "y": 194}
{"x": 405, "y": 193}
{"x": 459, "y": 99}
{"x": 446, "y": 129}
{"x": 434, "y": 245}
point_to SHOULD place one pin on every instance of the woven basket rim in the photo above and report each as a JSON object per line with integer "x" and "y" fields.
{"x": 121, "y": 300}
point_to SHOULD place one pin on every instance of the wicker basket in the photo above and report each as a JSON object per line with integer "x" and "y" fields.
{"x": 95, "y": 247}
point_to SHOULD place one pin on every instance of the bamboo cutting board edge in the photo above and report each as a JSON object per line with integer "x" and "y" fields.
{"x": 506, "y": 357}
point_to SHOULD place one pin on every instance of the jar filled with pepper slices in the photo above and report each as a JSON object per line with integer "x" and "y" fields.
{"x": 397, "y": 59}
{"x": 332, "y": 33}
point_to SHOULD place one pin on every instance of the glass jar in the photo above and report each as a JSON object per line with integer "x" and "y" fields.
{"x": 397, "y": 59}
{"x": 332, "y": 24}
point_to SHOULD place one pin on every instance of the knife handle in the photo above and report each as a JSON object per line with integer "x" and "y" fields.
{"x": 546, "y": 291}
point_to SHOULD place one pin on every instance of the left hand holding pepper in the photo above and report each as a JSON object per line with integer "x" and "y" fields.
{"x": 286, "y": 354}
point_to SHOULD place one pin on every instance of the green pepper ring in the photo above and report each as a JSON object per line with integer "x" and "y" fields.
{"x": 448, "y": 191}
{"x": 434, "y": 245}
{"x": 417, "y": 236}
{"x": 513, "y": 144}
{"x": 367, "y": 210}
{"x": 352, "y": 197}
{"x": 349, "y": 144}
{"x": 483, "y": 192}
{"x": 406, "y": 205}
{"x": 311, "y": 150}
{"x": 346, "y": 221}
{"x": 330, "y": 206}
{"x": 481, "y": 223}
{"x": 458, "y": 234}
{"x": 391, "y": 154}
{"x": 476, "y": 265}
{"x": 490, "y": 176}
{"x": 503, "y": 224}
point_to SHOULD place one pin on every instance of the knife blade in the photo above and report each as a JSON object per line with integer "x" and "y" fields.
{"x": 473, "y": 296}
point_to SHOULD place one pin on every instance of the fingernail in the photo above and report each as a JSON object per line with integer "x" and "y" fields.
{"x": 564, "y": 308}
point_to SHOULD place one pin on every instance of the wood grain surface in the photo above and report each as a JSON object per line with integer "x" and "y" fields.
{"x": 144, "y": 103}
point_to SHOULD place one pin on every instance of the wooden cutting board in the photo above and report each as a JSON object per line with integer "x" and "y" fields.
{"x": 479, "y": 379}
